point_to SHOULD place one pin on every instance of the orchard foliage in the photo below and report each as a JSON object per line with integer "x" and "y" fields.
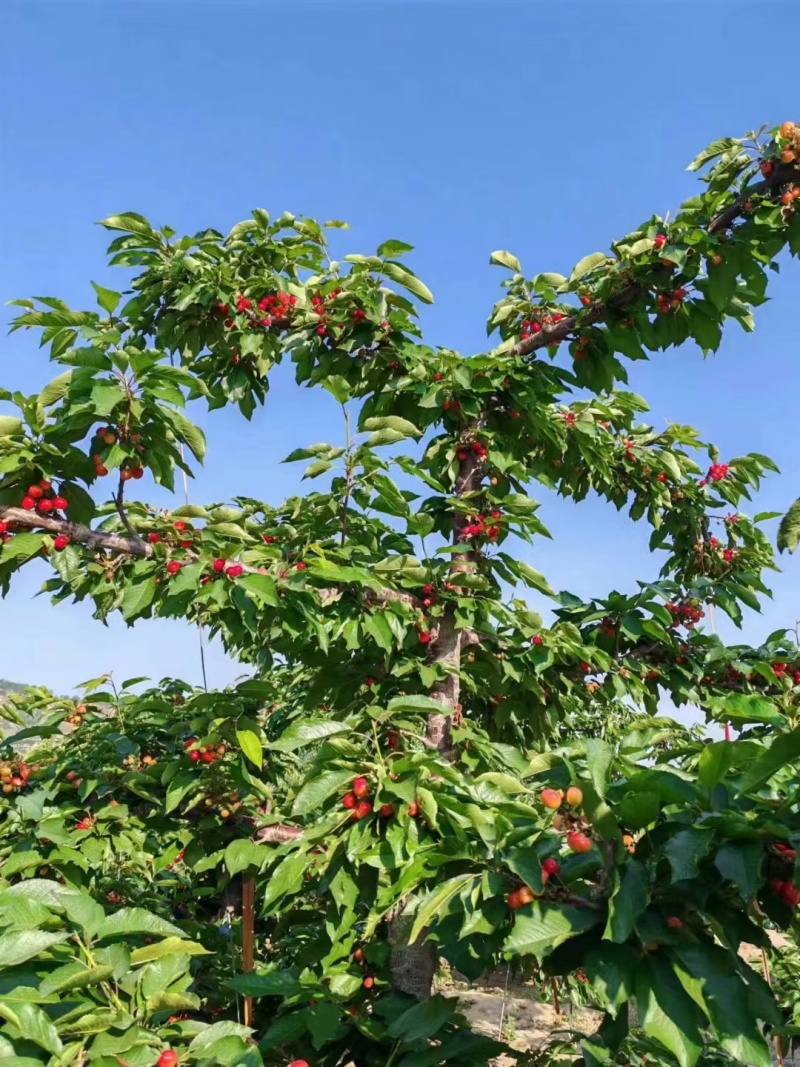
{"x": 418, "y": 767}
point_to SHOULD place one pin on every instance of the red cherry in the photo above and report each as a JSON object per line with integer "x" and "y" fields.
{"x": 35, "y": 491}
{"x": 361, "y": 787}
{"x": 659, "y": 240}
{"x": 173, "y": 566}
{"x": 28, "y": 503}
{"x": 168, "y": 1058}
{"x": 424, "y": 637}
{"x": 302, "y": 566}
{"x": 235, "y": 570}
{"x": 194, "y": 755}
{"x": 413, "y": 809}
{"x": 578, "y": 842}
{"x": 60, "y": 542}
{"x": 299, "y": 1063}
{"x": 3, "y": 527}
{"x": 368, "y": 982}
{"x": 536, "y": 640}
{"x": 552, "y": 798}
{"x": 349, "y": 800}
{"x": 363, "y": 810}
{"x": 60, "y": 503}
{"x": 153, "y": 538}
{"x": 45, "y": 506}
{"x": 386, "y": 811}
{"x": 551, "y": 866}
{"x": 180, "y": 525}
{"x": 218, "y": 565}
{"x": 189, "y": 742}
{"x": 674, "y": 922}
{"x": 208, "y": 757}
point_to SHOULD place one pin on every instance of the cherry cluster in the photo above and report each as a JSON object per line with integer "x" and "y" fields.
{"x": 14, "y": 776}
{"x": 43, "y": 498}
{"x": 78, "y": 714}
{"x": 361, "y": 808}
{"x": 666, "y": 302}
{"x": 483, "y": 526}
{"x": 687, "y": 613}
{"x": 717, "y": 472}
{"x": 530, "y": 327}
{"x": 463, "y": 451}
{"x": 783, "y": 888}
{"x": 203, "y": 753}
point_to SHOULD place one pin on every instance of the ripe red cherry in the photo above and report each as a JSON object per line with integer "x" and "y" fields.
{"x": 413, "y": 808}
{"x": 60, "y": 542}
{"x": 363, "y": 810}
{"x": 173, "y": 566}
{"x": 301, "y": 566}
{"x": 350, "y": 800}
{"x": 35, "y": 491}
{"x": 368, "y": 982}
{"x": 168, "y": 1058}
{"x": 208, "y": 757}
{"x": 659, "y": 240}
{"x": 235, "y": 570}
{"x": 578, "y": 842}
{"x": 189, "y": 742}
{"x": 28, "y": 503}
{"x": 46, "y": 505}
{"x": 674, "y": 922}
{"x": 551, "y": 866}
{"x": 386, "y": 811}
{"x": 60, "y": 503}
{"x": 218, "y": 565}
{"x": 180, "y": 525}
{"x": 194, "y": 755}
{"x": 537, "y": 640}
{"x": 424, "y": 637}
{"x": 153, "y": 538}
{"x": 299, "y": 1063}
{"x": 361, "y": 787}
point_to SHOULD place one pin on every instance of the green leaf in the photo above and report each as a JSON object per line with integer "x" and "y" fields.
{"x": 130, "y": 222}
{"x": 506, "y": 259}
{"x": 748, "y": 707}
{"x": 789, "y": 529}
{"x": 315, "y": 792}
{"x": 716, "y": 148}
{"x": 17, "y": 946}
{"x": 393, "y": 422}
{"x": 714, "y": 763}
{"x": 250, "y": 744}
{"x": 308, "y": 731}
{"x": 589, "y": 263}
{"x": 261, "y": 586}
{"x": 599, "y": 756}
{"x": 203, "y": 1041}
{"x": 666, "y": 1012}
{"x": 408, "y": 280}
{"x": 436, "y": 903}
{"x": 393, "y": 248}
{"x": 684, "y": 850}
{"x": 548, "y": 925}
{"x": 424, "y": 1020}
{"x": 168, "y": 947}
{"x": 708, "y": 975}
{"x": 74, "y": 976}
{"x": 10, "y": 426}
{"x": 275, "y": 983}
{"x": 534, "y": 579}
{"x": 243, "y": 853}
{"x": 783, "y": 752}
{"x": 627, "y": 902}
{"x": 135, "y": 921}
{"x": 107, "y": 299}
{"x": 56, "y": 389}
{"x": 741, "y": 863}
{"x": 611, "y": 969}
{"x": 33, "y": 1024}
{"x": 136, "y": 597}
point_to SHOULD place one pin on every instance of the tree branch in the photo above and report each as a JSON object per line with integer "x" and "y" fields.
{"x": 29, "y": 520}
{"x": 121, "y": 510}
{"x": 596, "y": 312}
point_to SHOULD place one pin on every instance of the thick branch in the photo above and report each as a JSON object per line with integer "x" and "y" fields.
{"x": 29, "y": 520}
{"x": 118, "y": 504}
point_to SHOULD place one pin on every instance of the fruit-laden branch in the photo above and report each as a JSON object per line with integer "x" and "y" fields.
{"x": 20, "y": 518}
{"x": 554, "y": 333}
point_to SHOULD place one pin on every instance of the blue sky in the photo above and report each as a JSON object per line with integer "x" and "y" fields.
{"x": 545, "y": 128}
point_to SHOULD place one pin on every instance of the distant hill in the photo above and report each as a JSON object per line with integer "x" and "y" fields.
{"x": 11, "y": 687}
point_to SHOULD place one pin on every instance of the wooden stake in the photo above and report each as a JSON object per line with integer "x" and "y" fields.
{"x": 248, "y": 938}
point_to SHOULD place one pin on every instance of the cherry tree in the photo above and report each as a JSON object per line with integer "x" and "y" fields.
{"x": 419, "y": 767}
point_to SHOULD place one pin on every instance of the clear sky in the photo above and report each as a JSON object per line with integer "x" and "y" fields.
{"x": 547, "y": 128}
